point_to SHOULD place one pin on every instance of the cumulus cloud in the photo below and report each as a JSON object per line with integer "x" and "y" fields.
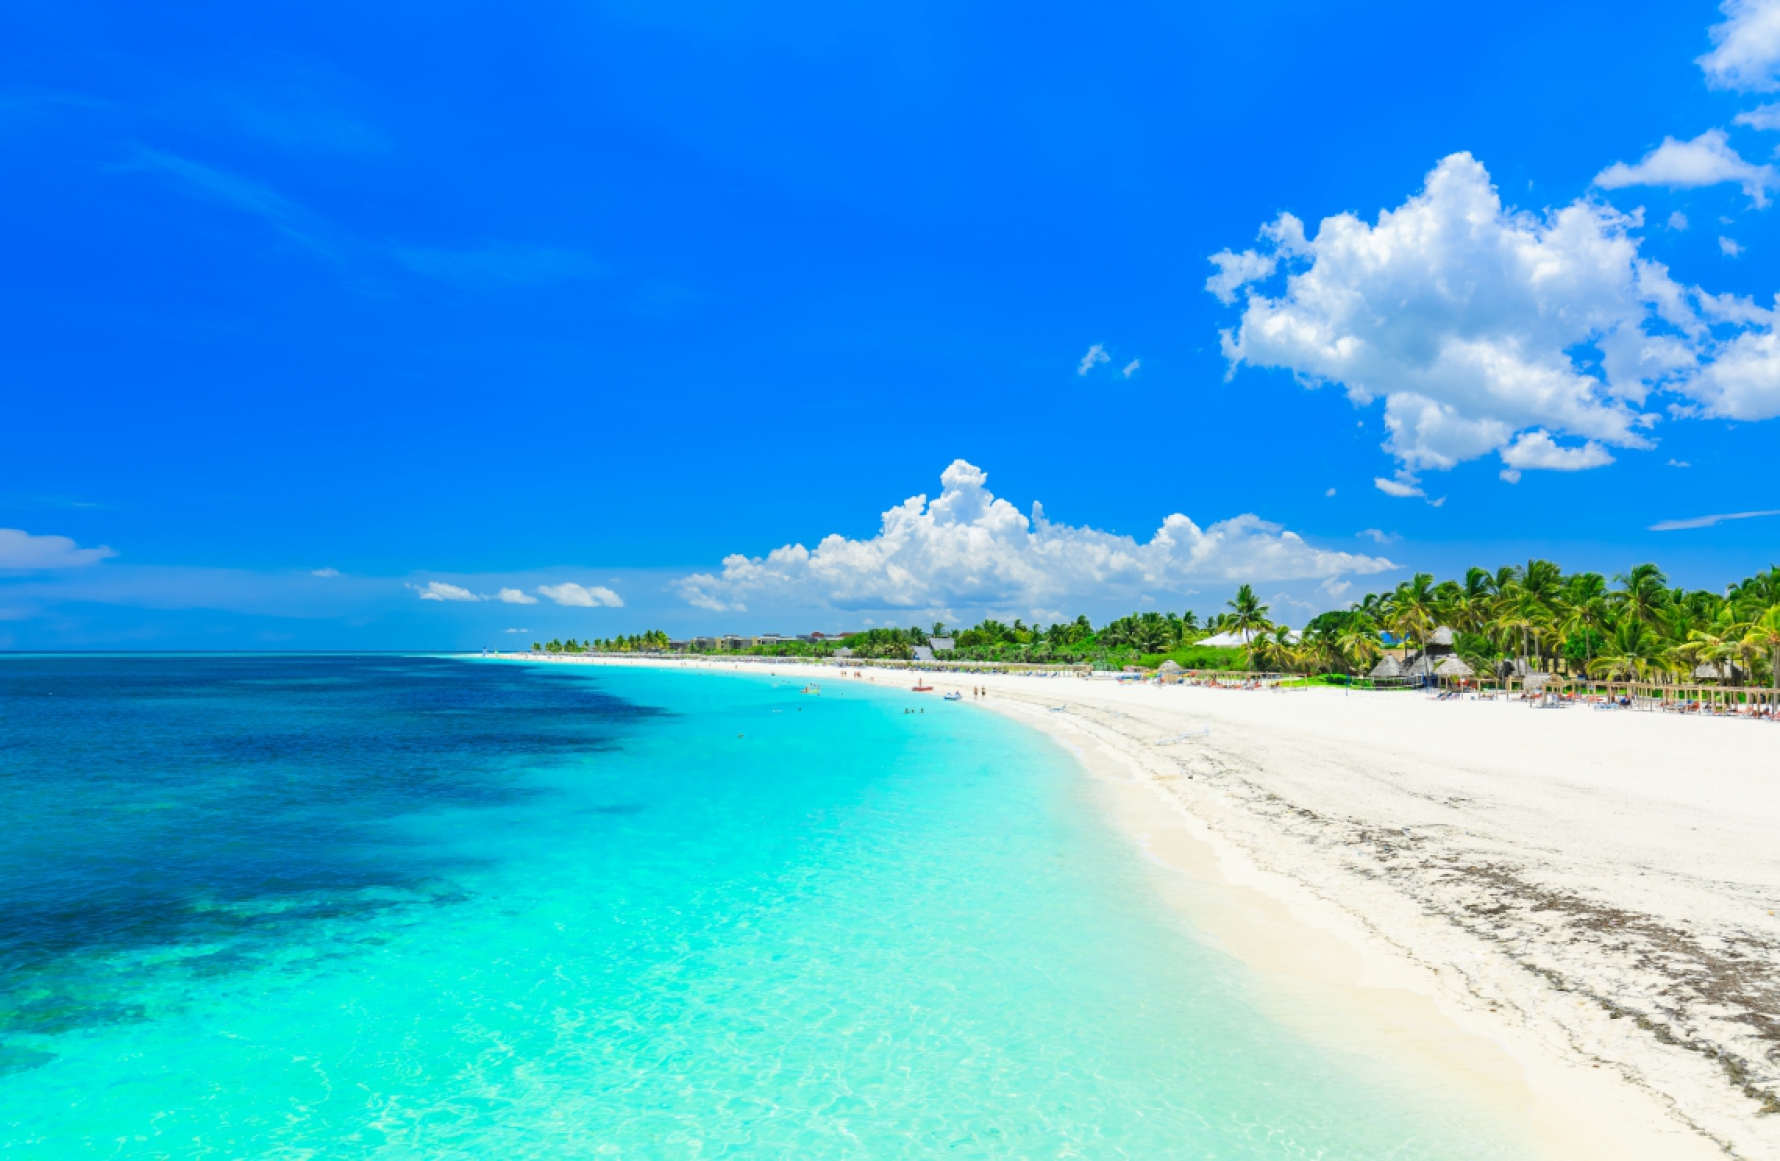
{"x": 1284, "y": 237}
{"x": 1462, "y": 314}
{"x": 440, "y": 591}
{"x": 1706, "y": 160}
{"x": 1489, "y": 329}
{"x": 1677, "y": 221}
{"x": 1730, "y": 247}
{"x": 515, "y": 597}
{"x": 1236, "y": 271}
{"x": 1744, "y": 381}
{"x": 582, "y": 596}
{"x": 1131, "y": 368}
{"x": 1746, "y": 47}
{"x": 1096, "y": 355}
{"x": 1537, "y": 450}
{"x": 19, "y": 549}
{"x": 970, "y": 549}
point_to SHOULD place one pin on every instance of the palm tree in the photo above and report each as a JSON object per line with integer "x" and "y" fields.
{"x": 1359, "y": 641}
{"x": 1470, "y": 607}
{"x": 1642, "y": 592}
{"x": 1522, "y": 612}
{"x": 1584, "y": 610}
{"x": 1764, "y": 633}
{"x": 1273, "y": 648}
{"x": 1151, "y": 634}
{"x": 1415, "y": 609}
{"x": 1632, "y": 652}
{"x": 1721, "y": 643}
{"x": 1756, "y": 594}
{"x": 1247, "y": 614}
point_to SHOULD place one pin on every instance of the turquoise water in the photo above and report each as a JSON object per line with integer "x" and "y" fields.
{"x": 427, "y": 908}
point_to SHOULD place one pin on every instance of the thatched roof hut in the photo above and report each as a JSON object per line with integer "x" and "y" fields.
{"x": 1387, "y": 667}
{"x": 1453, "y": 666}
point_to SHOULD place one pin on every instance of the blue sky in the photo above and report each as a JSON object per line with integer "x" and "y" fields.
{"x": 600, "y": 295}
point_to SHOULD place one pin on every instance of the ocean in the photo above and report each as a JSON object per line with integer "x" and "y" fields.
{"x": 430, "y": 907}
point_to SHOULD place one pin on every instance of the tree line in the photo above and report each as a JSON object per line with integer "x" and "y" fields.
{"x": 653, "y": 641}
{"x": 1635, "y": 626}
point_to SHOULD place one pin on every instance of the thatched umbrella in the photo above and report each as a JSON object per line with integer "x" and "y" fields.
{"x": 1453, "y": 666}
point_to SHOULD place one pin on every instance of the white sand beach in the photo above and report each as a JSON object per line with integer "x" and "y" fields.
{"x": 1570, "y": 912}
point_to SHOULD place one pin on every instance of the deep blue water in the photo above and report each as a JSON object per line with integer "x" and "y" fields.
{"x": 405, "y": 907}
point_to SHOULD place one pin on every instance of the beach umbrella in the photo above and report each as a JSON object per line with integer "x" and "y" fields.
{"x": 1452, "y": 667}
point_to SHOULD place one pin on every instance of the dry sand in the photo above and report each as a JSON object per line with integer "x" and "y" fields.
{"x": 1569, "y": 912}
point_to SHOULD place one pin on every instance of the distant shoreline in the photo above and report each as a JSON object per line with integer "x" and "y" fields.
{"x": 1500, "y": 939}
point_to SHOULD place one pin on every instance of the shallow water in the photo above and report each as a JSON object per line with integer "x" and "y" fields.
{"x": 423, "y": 907}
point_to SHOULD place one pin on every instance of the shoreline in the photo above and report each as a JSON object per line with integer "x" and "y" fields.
{"x": 1522, "y": 903}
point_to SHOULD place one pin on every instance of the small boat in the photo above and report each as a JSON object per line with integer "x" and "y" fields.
{"x": 919, "y": 688}
{"x": 812, "y": 687}
{"x": 954, "y": 696}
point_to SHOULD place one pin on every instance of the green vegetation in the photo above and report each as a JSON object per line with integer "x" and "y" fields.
{"x": 1198, "y": 657}
{"x": 1634, "y": 627}
{"x": 654, "y": 641}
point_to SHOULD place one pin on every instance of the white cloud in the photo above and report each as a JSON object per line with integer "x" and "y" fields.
{"x": 582, "y": 596}
{"x": 1095, "y": 356}
{"x": 515, "y": 630}
{"x": 968, "y": 549}
{"x": 1488, "y": 329}
{"x": 1673, "y": 463}
{"x": 515, "y": 597}
{"x": 1677, "y": 221}
{"x": 1463, "y": 314}
{"x": 1708, "y": 521}
{"x": 1379, "y": 535}
{"x": 1706, "y": 160}
{"x": 1404, "y": 487}
{"x": 1131, "y": 368}
{"x": 324, "y": 572}
{"x": 1236, "y": 271}
{"x": 1746, "y": 52}
{"x": 1536, "y": 450}
{"x": 440, "y": 591}
{"x": 1285, "y": 236}
{"x": 1330, "y": 492}
{"x": 1744, "y": 381}
{"x": 20, "y": 549}
{"x": 1729, "y": 246}
{"x": 1764, "y": 117}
